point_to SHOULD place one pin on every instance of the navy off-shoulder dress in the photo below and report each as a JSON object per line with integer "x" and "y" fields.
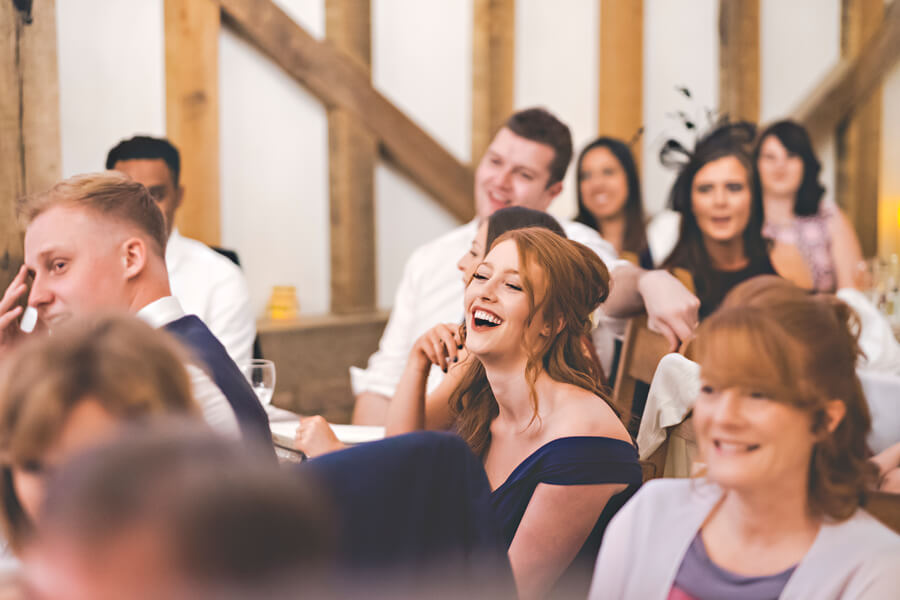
{"x": 579, "y": 460}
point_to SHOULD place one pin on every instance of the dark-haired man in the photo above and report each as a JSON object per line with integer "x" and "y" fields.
{"x": 523, "y": 166}
{"x": 206, "y": 283}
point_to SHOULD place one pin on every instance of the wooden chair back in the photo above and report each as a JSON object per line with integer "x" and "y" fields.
{"x": 642, "y": 349}
{"x": 885, "y": 507}
{"x": 655, "y": 466}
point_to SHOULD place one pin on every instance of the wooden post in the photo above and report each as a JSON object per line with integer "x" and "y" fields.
{"x": 621, "y": 78}
{"x": 493, "y": 70}
{"x": 29, "y": 118}
{"x": 739, "y": 59}
{"x": 192, "y": 111}
{"x": 352, "y": 155}
{"x": 859, "y": 137}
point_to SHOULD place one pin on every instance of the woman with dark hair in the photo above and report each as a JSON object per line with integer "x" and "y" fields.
{"x": 609, "y": 197}
{"x": 787, "y": 179}
{"x": 503, "y": 220}
{"x": 720, "y": 242}
{"x": 781, "y": 425}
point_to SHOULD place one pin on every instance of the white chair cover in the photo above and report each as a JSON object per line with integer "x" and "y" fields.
{"x": 881, "y": 348}
{"x": 673, "y": 391}
{"x": 882, "y": 391}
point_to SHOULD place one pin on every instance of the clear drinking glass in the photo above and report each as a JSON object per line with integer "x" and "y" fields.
{"x": 261, "y": 375}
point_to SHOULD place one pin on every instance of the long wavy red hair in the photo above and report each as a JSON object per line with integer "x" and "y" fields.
{"x": 574, "y": 282}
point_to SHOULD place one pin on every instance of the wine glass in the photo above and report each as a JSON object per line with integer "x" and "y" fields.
{"x": 261, "y": 375}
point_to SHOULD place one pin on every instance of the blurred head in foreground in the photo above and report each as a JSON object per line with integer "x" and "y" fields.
{"x": 63, "y": 393}
{"x": 781, "y": 405}
{"x": 177, "y": 512}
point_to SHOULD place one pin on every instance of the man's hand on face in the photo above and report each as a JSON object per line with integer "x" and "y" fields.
{"x": 671, "y": 309}
{"x": 10, "y": 311}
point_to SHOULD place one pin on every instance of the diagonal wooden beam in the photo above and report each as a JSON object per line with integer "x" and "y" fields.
{"x": 852, "y": 81}
{"x": 340, "y": 82}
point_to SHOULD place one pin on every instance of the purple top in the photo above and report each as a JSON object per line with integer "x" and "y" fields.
{"x": 810, "y": 235}
{"x": 699, "y": 578}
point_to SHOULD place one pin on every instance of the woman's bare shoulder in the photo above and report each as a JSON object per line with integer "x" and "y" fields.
{"x": 581, "y": 412}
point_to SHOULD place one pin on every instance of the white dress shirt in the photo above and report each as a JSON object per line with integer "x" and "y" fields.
{"x": 431, "y": 292}
{"x": 216, "y": 409}
{"x": 212, "y": 287}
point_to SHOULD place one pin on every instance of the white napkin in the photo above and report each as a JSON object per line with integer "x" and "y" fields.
{"x": 283, "y": 432}
{"x": 673, "y": 392}
{"x": 882, "y": 351}
{"x": 882, "y": 391}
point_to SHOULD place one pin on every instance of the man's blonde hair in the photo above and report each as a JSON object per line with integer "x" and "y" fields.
{"x": 110, "y": 194}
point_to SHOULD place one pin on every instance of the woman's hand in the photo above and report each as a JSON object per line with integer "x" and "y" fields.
{"x": 315, "y": 437}
{"x": 439, "y": 346}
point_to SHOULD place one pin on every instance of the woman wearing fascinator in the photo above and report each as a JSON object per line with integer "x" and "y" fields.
{"x": 720, "y": 240}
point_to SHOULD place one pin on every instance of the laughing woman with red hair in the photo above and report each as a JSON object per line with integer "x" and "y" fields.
{"x": 527, "y": 401}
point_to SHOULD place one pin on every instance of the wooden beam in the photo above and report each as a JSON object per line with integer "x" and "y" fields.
{"x": 493, "y": 70}
{"x": 339, "y": 81}
{"x": 352, "y": 155}
{"x": 29, "y": 118}
{"x": 12, "y": 141}
{"x": 348, "y": 25}
{"x": 739, "y": 59}
{"x": 40, "y": 99}
{"x": 852, "y": 81}
{"x": 621, "y": 78}
{"x": 192, "y": 111}
{"x": 859, "y": 138}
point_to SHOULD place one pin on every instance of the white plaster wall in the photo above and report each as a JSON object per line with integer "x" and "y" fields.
{"x": 800, "y": 41}
{"x": 421, "y": 61}
{"x": 556, "y": 67}
{"x": 273, "y": 150}
{"x": 111, "y": 77}
{"x": 681, "y": 49}
{"x": 274, "y": 169}
{"x": 274, "y": 133}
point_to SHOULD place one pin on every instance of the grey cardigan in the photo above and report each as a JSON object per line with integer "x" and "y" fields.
{"x": 646, "y": 541}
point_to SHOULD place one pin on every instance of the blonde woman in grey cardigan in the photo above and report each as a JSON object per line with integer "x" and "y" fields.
{"x": 781, "y": 424}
